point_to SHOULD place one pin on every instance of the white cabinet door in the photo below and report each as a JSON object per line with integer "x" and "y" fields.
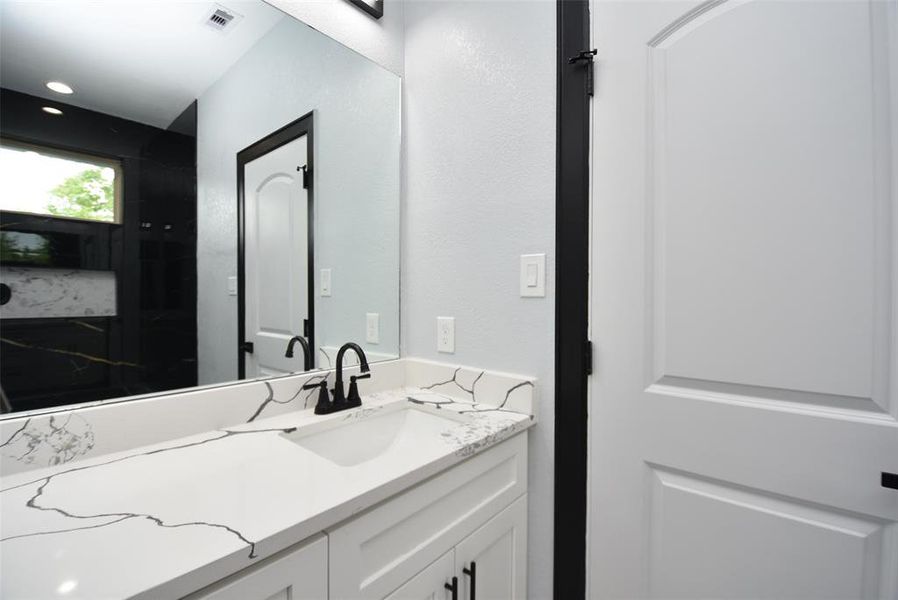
{"x": 492, "y": 561}
{"x": 744, "y": 300}
{"x": 429, "y": 584}
{"x": 296, "y": 574}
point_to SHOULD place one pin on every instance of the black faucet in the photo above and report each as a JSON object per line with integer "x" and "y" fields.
{"x": 306, "y": 351}
{"x": 353, "y": 399}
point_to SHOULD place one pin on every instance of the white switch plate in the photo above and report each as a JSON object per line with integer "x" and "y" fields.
{"x": 232, "y": 285}
{"x": 533, "y": 275}
{"x": 372, "y": 328}
{"x": 446, "y": 334}
{"x": 325, "y": 282}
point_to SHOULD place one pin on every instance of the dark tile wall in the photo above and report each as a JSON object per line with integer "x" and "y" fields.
{"x": 151, "y": 344}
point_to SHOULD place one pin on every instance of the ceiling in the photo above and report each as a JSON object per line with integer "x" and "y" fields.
{"x": 137, "y": 59}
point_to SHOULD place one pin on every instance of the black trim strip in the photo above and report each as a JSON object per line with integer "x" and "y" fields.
{"x": 571, "y": 301}
{"x": 286, "y": 134}
{"x": 375, "y": 8}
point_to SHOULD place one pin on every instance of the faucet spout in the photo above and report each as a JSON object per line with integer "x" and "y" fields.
{"x": 353, "y": 399}
{"x": 306, "y": 351}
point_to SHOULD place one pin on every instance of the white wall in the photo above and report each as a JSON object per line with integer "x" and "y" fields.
{"x": 479, "y": 129}
{"x": 378, "y": 39}
{"x": 291, "y": 71}
{"x": 479, "y": 138}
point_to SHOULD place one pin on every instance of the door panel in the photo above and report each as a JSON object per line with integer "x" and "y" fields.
{"x": 713, "y": 540}
{"x": 743, "y": 304}
{"x": 499, "y": 551}
{"x": 766, "y": 159}
{"x": 277, "y": 289}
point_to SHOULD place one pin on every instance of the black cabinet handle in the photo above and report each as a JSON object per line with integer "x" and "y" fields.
{"x": 890, "y": 480}
{"x": 472, "y": 574}
{"x": 453, "y": 587}
{"x": 247, "y": 347}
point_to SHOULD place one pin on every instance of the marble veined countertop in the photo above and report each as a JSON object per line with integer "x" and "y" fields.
{"x": 164, "y": 520}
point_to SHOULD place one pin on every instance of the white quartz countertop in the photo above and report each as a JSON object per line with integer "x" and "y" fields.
{"x": 164, "y": 520}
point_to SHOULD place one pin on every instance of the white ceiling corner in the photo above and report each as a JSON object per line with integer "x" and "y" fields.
{"x": 138, "y": 59}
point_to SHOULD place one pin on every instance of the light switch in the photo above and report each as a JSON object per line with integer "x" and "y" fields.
{"x": 533, "y": 275}
{"x": 232, "y": 285}
{"x": 372, "y": 328}
{"x": 325, "y": 282}
{"x": 446, "y": 334}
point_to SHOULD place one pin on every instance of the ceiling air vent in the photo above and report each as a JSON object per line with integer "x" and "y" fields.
{"x": 222, "y": 19}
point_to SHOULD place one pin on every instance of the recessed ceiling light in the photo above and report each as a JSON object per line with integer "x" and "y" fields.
{"x": 59, "y": 87}
{"x": 51, "y": 110}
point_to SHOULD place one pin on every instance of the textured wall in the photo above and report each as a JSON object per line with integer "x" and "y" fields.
{"x": 290, "y": 72}
{"x": 378, "y": 39}
{"x": 479, "y": 128}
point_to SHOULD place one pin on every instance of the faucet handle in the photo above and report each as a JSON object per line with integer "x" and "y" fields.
{"x": 352, "y": 398}
{"x": 324, "y": 405}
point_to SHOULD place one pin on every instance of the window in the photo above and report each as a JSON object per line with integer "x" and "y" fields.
{"x": 58, "y": 183}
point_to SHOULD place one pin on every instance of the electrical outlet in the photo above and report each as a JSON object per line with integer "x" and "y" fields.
{"x": 372, "y": 328}
{"x": 325, "y": 282}
{"x": 446, "y": 334}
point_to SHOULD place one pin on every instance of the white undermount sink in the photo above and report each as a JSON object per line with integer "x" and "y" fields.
{"x": 409, "y": 429}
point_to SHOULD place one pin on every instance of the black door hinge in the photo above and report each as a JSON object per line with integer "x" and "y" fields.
{"x": 306, "y": 173}
{"x": 305, "y": 328}
{"x": 587, "y": 357}
{"x": 247, "y": 347}
{"x": 586, "y": 57}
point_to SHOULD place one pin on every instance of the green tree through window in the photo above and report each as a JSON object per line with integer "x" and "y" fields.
{"x": 87, "y": 195}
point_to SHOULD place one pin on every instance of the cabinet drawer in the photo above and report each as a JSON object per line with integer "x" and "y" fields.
{"x": 297, "y": 573}
{"x": 376, "y": 552}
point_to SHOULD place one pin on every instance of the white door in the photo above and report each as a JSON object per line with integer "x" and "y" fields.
{"x": 492, "y": 561}
{"x": 429, "y": 584}
{"x": 276, "y": 258}
{"x": 744, "y": 300}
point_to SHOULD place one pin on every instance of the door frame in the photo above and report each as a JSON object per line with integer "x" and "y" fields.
{"x": 572, "y": 347}
{"x": 286, "y": 134}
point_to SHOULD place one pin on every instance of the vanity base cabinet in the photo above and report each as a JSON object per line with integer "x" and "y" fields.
{"x": 375, "y": 554}
{"x": 297, "y": 573}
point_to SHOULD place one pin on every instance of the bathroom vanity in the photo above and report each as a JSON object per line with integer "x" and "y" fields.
{"x": 463, "y": 531}
{"x": 424, "y": 486}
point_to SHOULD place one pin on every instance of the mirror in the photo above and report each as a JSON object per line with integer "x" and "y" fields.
{"x": 184, "y": 187}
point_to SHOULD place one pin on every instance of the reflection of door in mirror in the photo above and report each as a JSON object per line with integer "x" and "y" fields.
{"x": 277, "y": 301}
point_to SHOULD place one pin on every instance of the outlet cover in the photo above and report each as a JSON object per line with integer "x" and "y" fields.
{"x": 372, "y": 328}
{"x": 325, "y": 282}
{"x": 446, "y": 334}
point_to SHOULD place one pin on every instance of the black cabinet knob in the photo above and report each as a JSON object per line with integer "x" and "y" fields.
{"x": 5, "y": 293}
